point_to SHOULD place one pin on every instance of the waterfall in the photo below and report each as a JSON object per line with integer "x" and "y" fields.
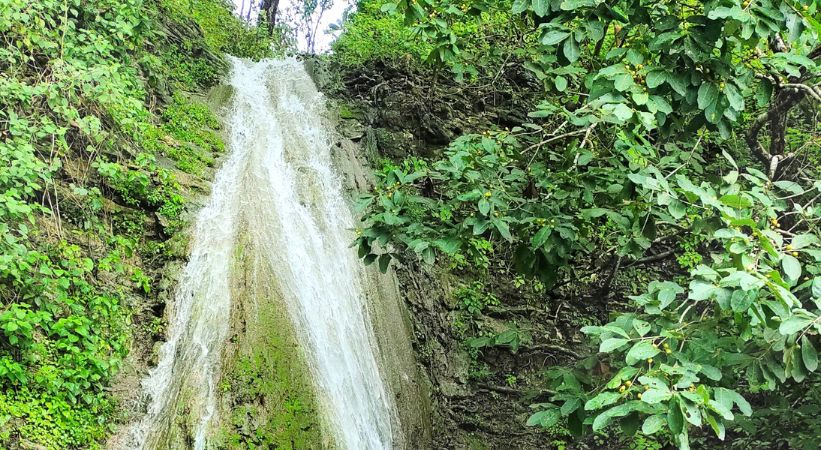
{"x": 278, "y": 187}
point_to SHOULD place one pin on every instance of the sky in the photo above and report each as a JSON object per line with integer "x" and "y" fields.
{"x": 332, "y": 15}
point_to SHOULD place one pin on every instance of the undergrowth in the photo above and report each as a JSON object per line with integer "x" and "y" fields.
{"x": 90, "y": 107}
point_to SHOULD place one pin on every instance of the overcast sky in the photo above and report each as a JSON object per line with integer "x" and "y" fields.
{"x": 333, "y": 15}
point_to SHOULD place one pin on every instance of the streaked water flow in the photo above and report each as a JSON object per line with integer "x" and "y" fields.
{"x": 278, "y": 187}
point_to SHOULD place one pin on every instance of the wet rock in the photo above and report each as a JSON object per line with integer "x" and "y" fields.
{"x": 351, "y": 129}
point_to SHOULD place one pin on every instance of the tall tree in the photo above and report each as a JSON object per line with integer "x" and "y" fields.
{"x": 269, "y": 9}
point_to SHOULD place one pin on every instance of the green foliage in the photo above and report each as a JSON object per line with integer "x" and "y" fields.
{"x": 794, "y": 410}
{"x": 76, "y": 132}
{"x": 189, "y": 137}
{"x": 224, "y": 32}
{"x": 370, "y": 35}
{"x": 474, "y": 299}
{"x": 648, "y": 138}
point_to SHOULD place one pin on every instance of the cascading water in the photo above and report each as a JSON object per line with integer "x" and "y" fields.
{"x": 279, "y": 189}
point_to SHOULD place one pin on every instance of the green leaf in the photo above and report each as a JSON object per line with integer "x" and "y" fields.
{"x": 654, "y": 396}
{"x": 484, "y": 207}
{"x": 553, "y": 37}
{"x": 793, "y": 325}
{"x": 571, "y": 50}
{"x": 428, "y": 256}
{"x": 620, "y": 110}
{"x": 804, "y": 240}
{"x": 652, "y": 424}
{"x": 790, "y": 186}
{"x": 519, "y": 6}
{"x": 611, "y": 344}
{"x": 570, "y": 406}
{"x": 641, "y": 327}
{"x": 677, "y": 209}
{"x": 541, "y": 237}
{"x": 540, "y": 7}
{"x": 503, "y": 228}
{"x": 675, "y": 419}
{"x": 707, "y": 95}
{"x": 722, "y": 410}
{"x": 625, "y": 373}
{"x": 384, "y": 261}
{"x": 701, "y": 290}
{"x": 816, "y": 287}
{"x": 561, "y": 83}
{"x": 723, "y": 12}
{"x": 734, "y": 97}
{"x": 792, "y": 267}
{"x": 545, "y": 419}
{"x": 717, "y": 426}
{"x": 641, "y": 351}
{"x": 656, "y": 78}
{"x": 808, "y": 354}
{"x": 604, "y": 418}
{"x": 735, "y": 201}
{"x": 603, "y": 399}
{"x": 711, "y": 372}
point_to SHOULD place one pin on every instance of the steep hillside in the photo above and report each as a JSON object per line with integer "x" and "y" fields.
{"x": 104, "y": 142}
{"x": 604, "y": 214}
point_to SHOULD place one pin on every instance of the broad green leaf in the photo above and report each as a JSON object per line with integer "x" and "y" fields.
{"x": 792, "y": 267}
{"x": 570, "y": 406}
{"x": 540, "y": 7}
{"x": 620, "y": 110}
{"x": 723, "y": 12}
{"x": 675, "y": 419}
{"x": 711, "y": 372}
{"x": 653, "y": 424}
{"x": 656, "y": 78}
{"x": 728, "y": 397}
{"x": 707, "y": 95}
{"x": 677, "y": 209}
{"x": 503, "y": 228}
{"x": 641, "y": 351}
{"x": 484, "y": 207}
{"x": 603, "y": 399}
{"x": 626, "y": 373}
{"x": 545, "y": 419}
{"x": 716, "y": 425}
{"x": 794, "y": 324}
{"x": 722, "y": 410}
{"x": 790, "y": 186}
{"x": 384, "y": 261}
{"x": 611, "y": 344}
{"x": 428, "y": 256}
{"x": 816, "y": 287}
{"x": 701, "y": 290}
{"x": 641, "y": 327}
{"x": 519, "y": 6}
{"x": 561, "y": 83}
{"x": 654, "y": 396}
{"x": 571, "y": 50}
{"x": 553, "y": 37}
{"x": 692, "y": 413}
{"x": 541, "y": 237}
{"x": 734, "y": 97}
{"x": 804, "y": 240}
{"x": 808, "y": 354}
{"x": 604, "y": 418}
{"x": 735, "y": 201}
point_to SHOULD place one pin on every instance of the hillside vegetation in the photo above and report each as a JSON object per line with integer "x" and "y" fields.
{"x": 645, "y": 173}
{"x": 101, "y": 144}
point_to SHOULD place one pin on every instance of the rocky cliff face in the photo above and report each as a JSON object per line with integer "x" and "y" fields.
{"x": 479, "y": 397}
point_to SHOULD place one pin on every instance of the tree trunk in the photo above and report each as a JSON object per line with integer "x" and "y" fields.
{"x": 269, "y": 8}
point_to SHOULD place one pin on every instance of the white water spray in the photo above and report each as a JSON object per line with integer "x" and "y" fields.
{"x": 278, "y": 187}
